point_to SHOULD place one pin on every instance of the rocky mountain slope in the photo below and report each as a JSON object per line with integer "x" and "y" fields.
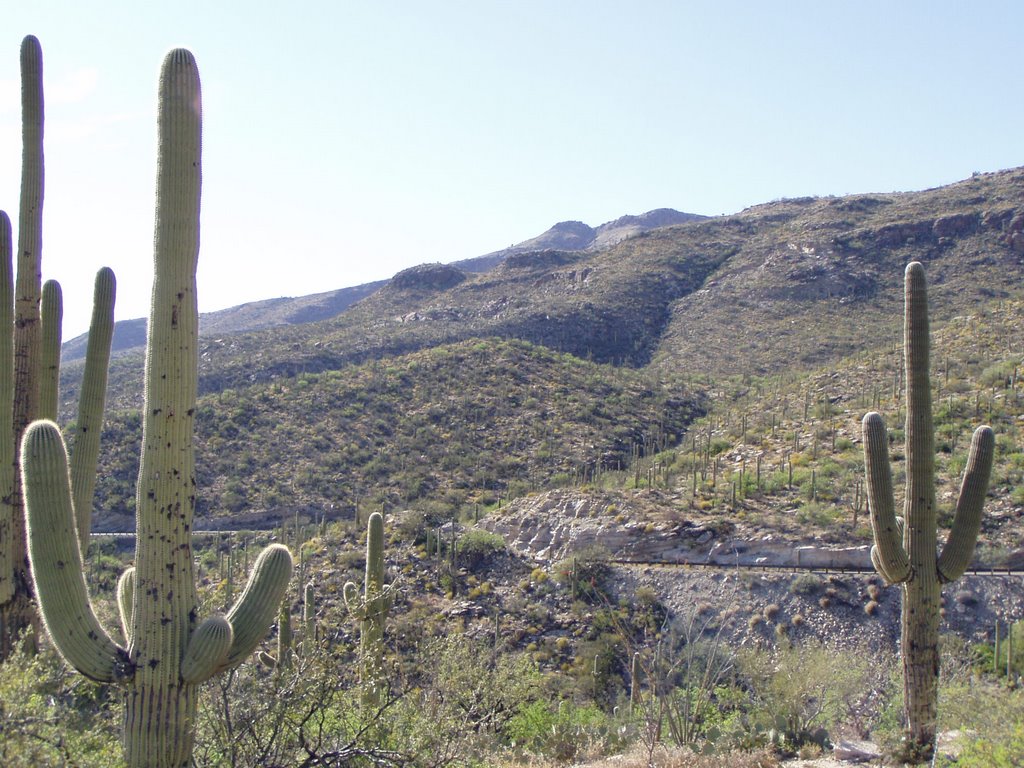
{"x": 749, "y": 318}
{"x": 270, "y": 313}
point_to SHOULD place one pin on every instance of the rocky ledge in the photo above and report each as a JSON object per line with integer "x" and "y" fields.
{"x": 558, "y": 524}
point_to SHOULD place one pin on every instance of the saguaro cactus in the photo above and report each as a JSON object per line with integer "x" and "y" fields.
{"x": 167, "y": 651}
{"x": 283, "y": 660}
{"x": 371, "y": 609}
{"x": 309, "y": 629}
{"x": 905, "y": 548}
{"x": 29, "y": 364}
{"x": 21, "y": 371}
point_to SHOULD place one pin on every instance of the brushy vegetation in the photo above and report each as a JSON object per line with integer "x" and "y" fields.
{"x": 689, "y": 699}
{"x": 459, "y": 425}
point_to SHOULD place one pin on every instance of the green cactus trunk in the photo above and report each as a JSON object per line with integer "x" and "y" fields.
{"x": 308, "y": 617}
{"x": 160, "y": 707}
{"x": 905, "y": 549}
{"x": 8, "y": 515}
{"x": 371, "y": 609}
{"x": 284, "y": 636}
{"x": 371, "y": 635}
{"x": 17, "y": 613}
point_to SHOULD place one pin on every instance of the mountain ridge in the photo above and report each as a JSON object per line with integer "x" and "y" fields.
{"x": 288, "y": 310}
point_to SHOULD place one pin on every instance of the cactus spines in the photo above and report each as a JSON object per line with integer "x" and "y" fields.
{"x": 168, "y": 651}
{"x": 371, "y": 609}
{"x": 905, "y": 548}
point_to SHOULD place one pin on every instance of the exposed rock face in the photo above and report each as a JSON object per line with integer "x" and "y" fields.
{"x": 955, "y": 225}
{"x": 434, "y": 277}
{"x": 555, "y": 525}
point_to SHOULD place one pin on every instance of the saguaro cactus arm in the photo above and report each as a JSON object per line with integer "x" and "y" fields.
{"x": 254, "y": 612}
{"x": 57, "y": 561}
{"x": 85, "y": 446}
{"x": 959, "y": 549}
{"x": 52, "y": 317}
{"x": 207, "y": 649}
{"x": 125, "y": 602}
{"x": 888, "y": 554}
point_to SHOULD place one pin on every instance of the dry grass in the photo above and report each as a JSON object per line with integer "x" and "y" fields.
{"x": 664, "y": 757}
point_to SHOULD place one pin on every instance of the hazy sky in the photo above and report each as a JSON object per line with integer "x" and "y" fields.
{"x": 344, "y": 141}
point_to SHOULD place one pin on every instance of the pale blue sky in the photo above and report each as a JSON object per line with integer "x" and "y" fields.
{"x": 345, "y": 141}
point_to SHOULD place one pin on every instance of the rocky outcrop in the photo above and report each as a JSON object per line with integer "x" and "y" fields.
{"x": 555, "y": 525}
{"x": 433, "y": 277}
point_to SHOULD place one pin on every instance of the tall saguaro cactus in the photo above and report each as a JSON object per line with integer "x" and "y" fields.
{"x": 17, "y": 612}
{"x": 371, "y": 609}
{"x": 168, "y": 652}
{"x": 905, "y": 548}
{"x": 30, "y": 333}
{"x": 10, "y": 523}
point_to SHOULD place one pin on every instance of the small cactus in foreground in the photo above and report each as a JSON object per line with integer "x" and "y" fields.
{"x": 167, "y": 651}
{"x": 905, "y": 548}
{"x": 371, "y": 609}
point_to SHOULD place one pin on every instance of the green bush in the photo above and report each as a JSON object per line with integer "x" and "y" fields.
{"x": 558, "y": 731}
{"x": 1005, "y": 751}
{"x": 803, "y": 692}
{"x": 586, "y": 574}
{"x": 806, "y": 584}
{"x": 51, "y": 716}
{"x": 476, "y": 545}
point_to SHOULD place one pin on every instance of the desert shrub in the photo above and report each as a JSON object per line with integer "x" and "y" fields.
{"x": 989, "y": 713}
{"x": 461, "y": 704}
{"x": 477, "y": 545}
{"x": 50, "y": 715}
{"x": 1003, "y": 751}
{"x": 806, "y": 584}
{"x": 802, "y": 692}
{"x": 560, "y": 730}
{"x": 586, "y": 574}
